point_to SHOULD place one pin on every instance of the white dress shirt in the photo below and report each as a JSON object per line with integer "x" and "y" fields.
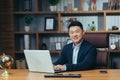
{"x": 75, "y": 52}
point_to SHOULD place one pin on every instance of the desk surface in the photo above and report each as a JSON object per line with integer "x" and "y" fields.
{"x": 24, "y": 74}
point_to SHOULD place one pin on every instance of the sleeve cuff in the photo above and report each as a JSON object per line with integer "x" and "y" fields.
{"x": 65, "y": 68}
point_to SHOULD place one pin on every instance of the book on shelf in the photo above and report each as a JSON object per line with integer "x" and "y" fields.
{"x": 27, "y": 41}
{"x": 113, "y": 4}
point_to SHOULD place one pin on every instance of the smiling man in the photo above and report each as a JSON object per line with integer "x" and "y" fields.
{"x": 79, "y": 55}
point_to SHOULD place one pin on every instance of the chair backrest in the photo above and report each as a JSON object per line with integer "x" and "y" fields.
{"x": 100, "y": 40}
{"x": 102, "y": 60}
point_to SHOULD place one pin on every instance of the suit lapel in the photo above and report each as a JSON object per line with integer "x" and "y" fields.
{"x": 81, "y": 50}
{"x": 71, "y": 53}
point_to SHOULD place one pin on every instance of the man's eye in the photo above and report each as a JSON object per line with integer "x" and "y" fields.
{"x": 77, "y": 31}
{"x": 71, "y": 32}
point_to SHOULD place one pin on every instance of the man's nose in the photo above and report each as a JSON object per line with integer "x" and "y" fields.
{"x": 74, "y": 34}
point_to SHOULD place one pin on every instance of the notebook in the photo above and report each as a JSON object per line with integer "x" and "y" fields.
{"x": 39, "y": 61}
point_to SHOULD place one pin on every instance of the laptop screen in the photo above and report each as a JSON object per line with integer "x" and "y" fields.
{"x": 39, "y": 61}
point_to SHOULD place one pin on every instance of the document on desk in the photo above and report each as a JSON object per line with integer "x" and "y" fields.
{"x": 62, "y": 75}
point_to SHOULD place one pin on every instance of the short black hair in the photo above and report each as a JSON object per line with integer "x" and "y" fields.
{"x": 75, "y": 23}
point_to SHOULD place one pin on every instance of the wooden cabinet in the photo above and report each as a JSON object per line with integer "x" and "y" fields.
{"x": 39, "y": 10}
{"x": 6, "y": 27}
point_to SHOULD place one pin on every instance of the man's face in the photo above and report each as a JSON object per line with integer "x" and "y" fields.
{"x": 76, "y": 34}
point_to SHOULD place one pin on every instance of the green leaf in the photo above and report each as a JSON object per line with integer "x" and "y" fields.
{"x": 28, "y": 19}
{"x": 53, "y": 2}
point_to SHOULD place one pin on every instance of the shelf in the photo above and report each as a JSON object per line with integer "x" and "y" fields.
{"x": 82, "y": 12}
{"x": 36, "y": 12}
{"x": 51, "y": 32}
{"x": 66, "y": 32}
{"x": 109, "y": 31}
{"x": 112, "y": 11}
{"x": 113, "y": 31}
{"x": 25, "y": 32}
{"x": 114, "y": 51}
{"x": 96, "y": 31}
{"x": 68, "y": 12}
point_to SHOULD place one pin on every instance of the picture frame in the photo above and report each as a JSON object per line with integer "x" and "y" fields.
{"x": 49, "y": 23}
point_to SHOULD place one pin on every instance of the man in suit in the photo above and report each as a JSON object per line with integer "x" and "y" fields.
{"x": 79, "y": 55}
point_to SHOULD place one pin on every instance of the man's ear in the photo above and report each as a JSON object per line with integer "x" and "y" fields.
{"x": 83, "y": 33}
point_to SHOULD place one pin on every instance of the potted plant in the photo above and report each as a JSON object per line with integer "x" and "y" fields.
{"x": 28, "y": 19}
{"x": 53, "y": 4}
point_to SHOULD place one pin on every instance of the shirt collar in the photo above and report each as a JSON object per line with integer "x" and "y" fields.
{"x": 78, "y": 45}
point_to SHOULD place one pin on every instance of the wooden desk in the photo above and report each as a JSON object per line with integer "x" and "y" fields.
{"x": 24, "y": 74}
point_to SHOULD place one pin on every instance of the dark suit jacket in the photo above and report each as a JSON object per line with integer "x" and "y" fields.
{"x": 86, "y": 57}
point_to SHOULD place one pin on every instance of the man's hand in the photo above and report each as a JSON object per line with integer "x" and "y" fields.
{"x": 60, "y": 67}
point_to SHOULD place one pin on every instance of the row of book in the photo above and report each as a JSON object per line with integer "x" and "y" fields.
{"x": 55, "y": 43}
{"x": 113, "y": 4}
{"x": 114, "y": 41}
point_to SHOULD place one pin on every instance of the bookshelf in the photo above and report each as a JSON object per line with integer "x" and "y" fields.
{"x": 39, "y": 10}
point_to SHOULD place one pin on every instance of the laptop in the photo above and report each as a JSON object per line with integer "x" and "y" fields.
{"x": 39, "y": 61}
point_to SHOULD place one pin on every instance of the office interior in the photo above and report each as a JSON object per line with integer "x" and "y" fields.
{"x": 14, "y": 39}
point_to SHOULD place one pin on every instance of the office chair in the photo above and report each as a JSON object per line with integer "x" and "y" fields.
{"x": 100, "y": 40}
{"x": 102, "y": 60}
